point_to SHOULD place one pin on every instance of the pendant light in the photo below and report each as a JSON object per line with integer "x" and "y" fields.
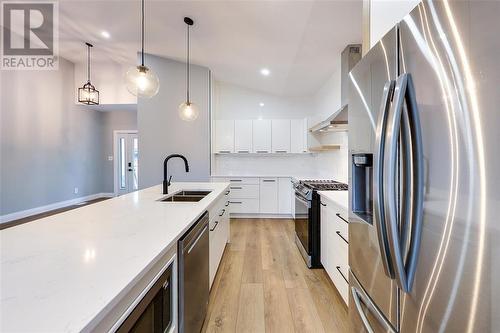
{"x": 141, "y": 81}
{"x": 88, "y": 94}
{"x": 188, "y": 111}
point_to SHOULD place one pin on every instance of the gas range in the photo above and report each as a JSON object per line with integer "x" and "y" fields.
{"x": 324, "y": 185}
{"x": 307, "y": 216}
{"x": 305, "y": 188}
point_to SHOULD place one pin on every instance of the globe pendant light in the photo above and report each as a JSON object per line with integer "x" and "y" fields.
{"x": 141, "y": 81}
{"x": 188, "y": 111}
{"x": 88, "y": 94}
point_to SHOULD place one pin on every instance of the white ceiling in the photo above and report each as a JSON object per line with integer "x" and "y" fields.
{"x": 299, "y": 41}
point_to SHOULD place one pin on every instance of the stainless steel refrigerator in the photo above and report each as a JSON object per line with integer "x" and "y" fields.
{"x": 424, "y": 146}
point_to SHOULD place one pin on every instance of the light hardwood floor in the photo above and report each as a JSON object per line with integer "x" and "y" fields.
{"x": 263, "y": 285}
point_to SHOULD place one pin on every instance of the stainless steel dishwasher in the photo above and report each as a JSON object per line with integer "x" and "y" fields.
{"x": 193, "y": 276}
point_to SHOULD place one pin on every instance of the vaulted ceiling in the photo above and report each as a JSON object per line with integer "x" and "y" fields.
{"x": 298, "y": 41}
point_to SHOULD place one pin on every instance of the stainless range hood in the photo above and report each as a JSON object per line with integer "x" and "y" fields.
{"x": 338, "y": 120}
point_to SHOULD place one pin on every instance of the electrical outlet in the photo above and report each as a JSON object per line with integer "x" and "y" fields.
{"x": 110, "y": 158}
{"x": 76, "y": 190}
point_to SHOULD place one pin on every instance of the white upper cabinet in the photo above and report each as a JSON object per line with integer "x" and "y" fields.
{"x": 298, "y": 136}
{"x": 281, "y": 136}
{"x": 262, "y": 136}
{"x": 243, "y": 136}
{"x": 224, "y": 136}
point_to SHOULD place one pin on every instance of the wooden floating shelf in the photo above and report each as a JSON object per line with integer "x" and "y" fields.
{"x": 325, "y": 147}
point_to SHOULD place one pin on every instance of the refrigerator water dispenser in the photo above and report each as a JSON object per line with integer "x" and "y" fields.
{"x": 362, "y": 190}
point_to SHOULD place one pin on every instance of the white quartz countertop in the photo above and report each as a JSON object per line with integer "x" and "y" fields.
{"x": 60, "y": 272}
{"x": 341, "y": 198}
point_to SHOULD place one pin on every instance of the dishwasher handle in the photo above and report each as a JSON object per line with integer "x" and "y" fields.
{"x": 200, "y": 234}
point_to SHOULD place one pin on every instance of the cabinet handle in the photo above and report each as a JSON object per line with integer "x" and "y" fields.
{"x": 281, "y": 151}
{"x": 338, "y": 233}
{"x": 236, "y": 187}
{"x": 223, "y": 211}
{"x": 342, "y": 274}
{"x": 235, "y": 180}
{"x": 268, "y": 180}
{"x": 235, "y": 202}
{"x": 243, "y": 151}
{"x": 227, "y": 203}
{"x": 227, "y": 192}
{"x": 340, "y": 217}
{"x": 215, "y": 226}
{"x": 262, "y": 151}
{"x": 224, "y": 151}
{"x": 322, "y": 204}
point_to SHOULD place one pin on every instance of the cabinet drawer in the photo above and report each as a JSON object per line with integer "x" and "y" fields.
{"x": 244, "y": 206}
{"x": 340, "y": 278}
{"x": 243, "y": 180}
{"x": 244, "y": 191}
{"x": 341, "y": 223}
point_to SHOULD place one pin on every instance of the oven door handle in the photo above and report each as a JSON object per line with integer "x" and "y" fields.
{"x": 301, "y": 199}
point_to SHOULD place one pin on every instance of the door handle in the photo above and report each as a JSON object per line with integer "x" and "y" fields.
{"x": 197, "y": 239}
{"x": 411, "y": 215}
{"x": 359, "y": 296}
{"x": 378, "y": 168}
{"x": 215, "y": 225}
{"x": 338, "y": 234}
{"x": 340, "y": 217}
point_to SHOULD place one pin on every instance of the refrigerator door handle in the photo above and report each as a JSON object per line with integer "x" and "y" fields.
{"x": 411, "y": 215}
{"x": 378, "y": 193}
{"x": 359, "y": 296}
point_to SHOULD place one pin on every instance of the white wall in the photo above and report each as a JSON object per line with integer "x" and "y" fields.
{"x": 234, "y": 102}
{"x": 384, "y": 14}
{"x": 108, "y": 78}
{"x": 331, "y": 164}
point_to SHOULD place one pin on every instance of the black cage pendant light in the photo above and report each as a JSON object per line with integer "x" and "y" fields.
{"x": 88, "y": 94}
{"x": 188, "y": 111}
{"x": 141, "y": 81}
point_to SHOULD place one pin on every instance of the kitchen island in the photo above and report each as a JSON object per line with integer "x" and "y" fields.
{"x": 78, "y": 270}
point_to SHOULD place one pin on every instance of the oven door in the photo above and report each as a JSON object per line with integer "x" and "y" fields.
{"x": 303, "y": 226}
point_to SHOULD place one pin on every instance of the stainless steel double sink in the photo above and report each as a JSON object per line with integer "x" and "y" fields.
{"x": 186, "y": 196}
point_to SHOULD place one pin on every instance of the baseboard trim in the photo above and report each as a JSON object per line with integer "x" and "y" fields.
{"x": 42, "y": 209}
{"x": 260, "y": 216}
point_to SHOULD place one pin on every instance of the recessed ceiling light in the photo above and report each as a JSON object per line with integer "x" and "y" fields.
{"x": 261, "y": 104}
{"x": 105, "y": 34}
{"x": 265, "y": 71}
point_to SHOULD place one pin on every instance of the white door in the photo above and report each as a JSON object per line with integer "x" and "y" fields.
{"x": 224, "y": 136}
{"x": 261, "y": 136}
{"x": 268, "y": 195}
{"x": 243, "y": 136}
{"x": 281, "y": 135}
{"x": 127, "y": 163}
{"x": 298, "y": 136}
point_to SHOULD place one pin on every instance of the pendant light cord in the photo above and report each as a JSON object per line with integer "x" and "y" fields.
{"x": 88, "y": 61}
{"x": 187, "y": 71}
{"x": 142, "y": 32}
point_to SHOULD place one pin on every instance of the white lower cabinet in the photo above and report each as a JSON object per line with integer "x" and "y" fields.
{"x": 268, "y": 195}
{"x": 218, "y": 233}
{"x": 285, "y": 196}
{"x": 334, "y": 247}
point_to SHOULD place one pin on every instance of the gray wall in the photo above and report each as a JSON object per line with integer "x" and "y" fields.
{"x": 113, "y": 121}
{"x": 48, "y": 145}
{"x": 162, "y": 132}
